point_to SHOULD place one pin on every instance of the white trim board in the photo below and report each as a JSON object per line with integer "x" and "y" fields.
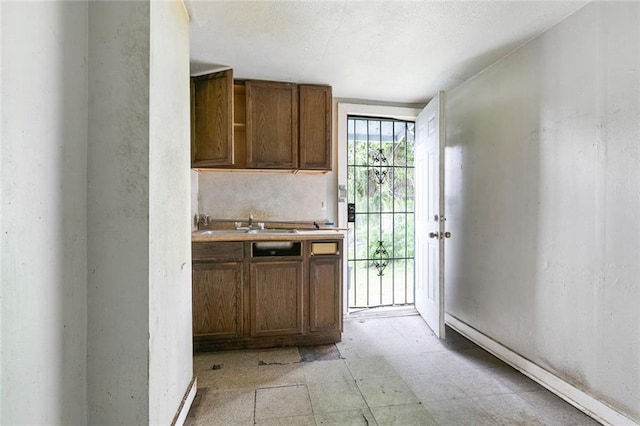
{"x": 574, "y": 396}
{"x": 185, "y": 406}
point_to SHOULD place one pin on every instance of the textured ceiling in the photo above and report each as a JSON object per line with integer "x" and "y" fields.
{"x": 384, "y": 51}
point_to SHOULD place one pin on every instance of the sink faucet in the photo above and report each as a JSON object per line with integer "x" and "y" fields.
{"x": 250, "y": 221}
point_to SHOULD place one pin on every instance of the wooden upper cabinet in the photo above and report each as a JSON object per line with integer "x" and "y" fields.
{"x": 212, "y": 120}
{"x": 272, "y": 125}
{"x": 315, "y": 127}
{"x": 255, "y": 124}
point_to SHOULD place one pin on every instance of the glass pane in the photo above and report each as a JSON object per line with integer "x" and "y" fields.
{"x": 400, "y": 281}
{"x": 387, "y": 131}
{"x": 359, "y": 283}
{"x": 350, "y": 141}
{"x": 380, "y": 183}
{"x": 410, "y": 280}
{"x": 375, "y": 194}
{"x": 360, "y": 144}
{"x": 374, "y": 235}
{"x": 351, "y": 241}
{"x": 374, "y": 285}
{"x": 362, "y": 189}
{"x": 410, "y": 190}
{"x": 387, "y": 286}
{"x": 399, "y": 189}
{"x": 400, "y": 144}
{"x": 410, "y": 143}
{"x": 386, "y": 232}
{"x": 374, "y": 131}
{"x": 410, "y": 235}
{"x": 361, "y": 235}
{"x": 400, "y": 236}
{"x": 351, "y": 188}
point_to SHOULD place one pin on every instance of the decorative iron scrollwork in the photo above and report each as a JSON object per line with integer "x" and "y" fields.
{"x": 383, "y": 260}
{"x": 381, "y": 172}
{"x": 378, "y": 156}
{"x": 381, "y": 175}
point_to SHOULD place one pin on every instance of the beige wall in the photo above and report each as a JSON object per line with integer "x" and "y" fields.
{"x": 268, "y": 196}
{"x": 170, "y": 335}
{"x": 95, "y": 311}
{"x": 118, "y": 213}
{"x": 543, "y": 199}
{"x": 43, "y": 310}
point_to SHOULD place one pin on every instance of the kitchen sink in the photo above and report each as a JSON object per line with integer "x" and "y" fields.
{"x": 221, "y": 231}
{"x": 272, "y": 231}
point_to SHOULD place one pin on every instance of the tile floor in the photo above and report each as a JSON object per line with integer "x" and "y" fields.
{"x": 386, "y": 371}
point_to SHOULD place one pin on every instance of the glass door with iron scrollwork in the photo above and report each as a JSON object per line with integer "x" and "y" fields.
{"x": 380, "y": 194}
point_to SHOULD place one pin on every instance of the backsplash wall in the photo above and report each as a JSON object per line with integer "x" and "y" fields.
{"x": 267, "y": 196}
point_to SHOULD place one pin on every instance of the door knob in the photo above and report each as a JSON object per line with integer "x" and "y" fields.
{"x": 447, "y": 234}
{"x": 433, "y": 235}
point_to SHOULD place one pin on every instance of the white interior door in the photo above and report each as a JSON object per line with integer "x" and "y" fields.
{"x": 429, "y": 214}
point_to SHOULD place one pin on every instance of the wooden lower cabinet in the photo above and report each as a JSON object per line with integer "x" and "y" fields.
{"x": 276, "y": 298}
{"x": 217, "y": 300}
{"x": 241, "y": 301}
{"x": 325, "y": 293}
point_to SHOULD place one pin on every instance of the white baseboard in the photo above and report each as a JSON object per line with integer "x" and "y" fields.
{"x": 185, "y": 406}
{"x": 574, "y": 396}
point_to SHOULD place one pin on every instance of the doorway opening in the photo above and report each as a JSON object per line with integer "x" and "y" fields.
{"x": 380, "y": 200}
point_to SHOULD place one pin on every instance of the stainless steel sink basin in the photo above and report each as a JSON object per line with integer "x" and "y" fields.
{"x": 272, "y": 231}
{"x": 221, "y": 231}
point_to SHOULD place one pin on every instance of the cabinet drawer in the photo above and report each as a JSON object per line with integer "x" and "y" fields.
{"x": 325, "y": 248}
{"x": 217, "y": 251}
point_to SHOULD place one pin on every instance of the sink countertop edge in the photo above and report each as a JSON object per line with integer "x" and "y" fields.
{"x": 324, "y": 234}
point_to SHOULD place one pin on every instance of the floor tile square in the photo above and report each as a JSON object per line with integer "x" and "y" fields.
{"x": 279, "y": 375}
{"x": 285, "y": 401}
{"x": 279, "y": 356}
{"x": 335, "y": 396}
{"x": 288, "y": 421}
{"x": 326, "y": 371}
{"x": 368, "y": 368}
{"x": 225, "y": 407}
{"x": 311, "y": 353}
{"x": 555, "y": 411}
{"x": 228, "y": 378}
{"x": 478, "y": 383}
{"x": 478, "y": 358}
{"x": 459, "y": 412}
{"x": 412, "y": 365}
{"x": 386, "y": 391}
{"x": 225, "y": 359}
{"x": 515, "y": 380}
{"x": 448, "y": 361}
{"x": 362, "y": 417}
{"x": 509, "y": 409}
{"x": 405, "y": 415}
{"x": 434, "y": 387}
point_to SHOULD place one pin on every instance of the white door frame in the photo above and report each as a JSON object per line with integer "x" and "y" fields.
{"x": 365, "y": 110}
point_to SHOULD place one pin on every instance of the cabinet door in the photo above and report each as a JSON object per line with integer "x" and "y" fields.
{"x": 325, "y": 293}
{"x": 315, "y": 127}
{"x": 272, "y": 124}
{"x": 276, "y": 298}
{"x": 212, "y": 120}
{"x": 217, "y": 299}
